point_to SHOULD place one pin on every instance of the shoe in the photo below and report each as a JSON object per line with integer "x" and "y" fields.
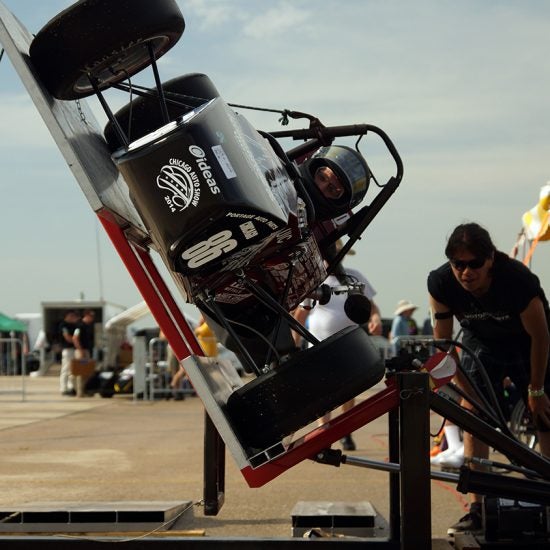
{"x": 435, "y": 450}
{"x": 71, "y": 393}
{"x": 435, "y": 460}
{"x": 347, "y": 443}
{"x": 451, "y": 458}
{"x": 470, "y": 523}
{"x": 453, "y": 462}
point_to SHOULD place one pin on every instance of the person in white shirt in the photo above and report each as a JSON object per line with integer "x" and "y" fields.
{"x": 324, "y": 320}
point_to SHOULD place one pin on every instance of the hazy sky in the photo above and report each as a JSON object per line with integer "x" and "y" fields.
{"x": 462, "y": 88}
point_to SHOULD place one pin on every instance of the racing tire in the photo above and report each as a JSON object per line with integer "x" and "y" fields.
{"x": 313, "y": 382}
{"x": 107, "y": 39}
{"x": 142, "y": 115}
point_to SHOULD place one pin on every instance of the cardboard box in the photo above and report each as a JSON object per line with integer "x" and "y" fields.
{"x": 82, "y": 367}
{"x": 125, "y": 357}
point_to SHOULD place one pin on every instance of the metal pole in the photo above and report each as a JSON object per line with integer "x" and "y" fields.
{"x": 23, "y": 372}
{"x": 395, "y": 504}
{"x": 11, "y": 362}
{"x": 414, "y": 413}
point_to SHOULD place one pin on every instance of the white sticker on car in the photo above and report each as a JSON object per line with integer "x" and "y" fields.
{"x": 224, "y": 162}
{"x": 182, "y": 184}
{"x": 249, "y": 230}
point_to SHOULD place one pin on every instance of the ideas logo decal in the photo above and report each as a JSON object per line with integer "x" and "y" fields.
{"x": 204, "y": 167}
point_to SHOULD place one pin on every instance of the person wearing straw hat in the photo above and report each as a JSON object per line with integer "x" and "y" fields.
{"x": 403, "y": 324}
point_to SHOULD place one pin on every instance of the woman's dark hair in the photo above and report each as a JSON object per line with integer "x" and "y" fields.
{"x": 470, "y": 237}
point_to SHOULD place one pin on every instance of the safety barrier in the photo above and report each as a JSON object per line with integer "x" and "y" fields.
{"x": 12, "y": 367}
{"x": 159, "y": 374}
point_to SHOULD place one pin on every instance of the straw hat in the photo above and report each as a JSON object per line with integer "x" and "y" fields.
{"x": 404, "y": 305}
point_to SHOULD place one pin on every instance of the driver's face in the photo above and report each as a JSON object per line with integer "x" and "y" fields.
{"x": 328, "y": 183}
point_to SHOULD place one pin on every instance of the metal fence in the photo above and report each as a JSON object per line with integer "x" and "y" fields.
{"x": 159, "y": 372}
{"x": 12, "y": 368}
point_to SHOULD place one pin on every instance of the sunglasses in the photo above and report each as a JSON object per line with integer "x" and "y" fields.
{"x": 461, "y": 265}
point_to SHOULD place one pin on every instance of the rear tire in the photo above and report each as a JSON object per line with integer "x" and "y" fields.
{"x": 143, "y": 115}
{"x": 107, "y": 39}
{"x": 307, "y": 386}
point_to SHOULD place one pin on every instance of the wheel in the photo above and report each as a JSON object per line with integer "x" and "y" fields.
{"x": 106, "y": 39}
{"x": 521, "y": 425}
{"x": 310, "y": 384}
{"x": 143, "y": 114}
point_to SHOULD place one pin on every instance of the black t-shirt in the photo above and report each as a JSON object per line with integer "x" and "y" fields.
{"x": 86, "y": 336}
{"x": 492, "y": 320}
{"x": 66, "y": 328}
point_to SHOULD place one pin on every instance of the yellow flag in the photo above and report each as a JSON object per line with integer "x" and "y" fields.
{"x": 535, "y": 221}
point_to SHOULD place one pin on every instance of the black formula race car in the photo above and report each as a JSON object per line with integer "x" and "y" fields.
{"x": 247, "y": 228}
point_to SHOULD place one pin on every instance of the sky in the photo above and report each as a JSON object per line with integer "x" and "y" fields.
{"x": 462, "y": 89}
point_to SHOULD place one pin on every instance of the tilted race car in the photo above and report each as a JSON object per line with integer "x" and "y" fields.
{"x": 247, "y": 229}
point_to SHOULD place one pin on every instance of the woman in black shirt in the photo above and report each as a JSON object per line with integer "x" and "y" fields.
{"x": 505, "y": 317}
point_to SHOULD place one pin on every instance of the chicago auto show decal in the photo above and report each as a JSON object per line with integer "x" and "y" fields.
{"x": 182, "y": 183}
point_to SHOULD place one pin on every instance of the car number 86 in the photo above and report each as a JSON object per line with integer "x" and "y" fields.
{"x": 206, "y": 251}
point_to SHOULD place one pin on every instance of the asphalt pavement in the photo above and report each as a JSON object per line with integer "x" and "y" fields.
{"x": 61, "y": 451}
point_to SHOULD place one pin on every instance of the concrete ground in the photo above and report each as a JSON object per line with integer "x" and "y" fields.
{"x": 81, "y": 450}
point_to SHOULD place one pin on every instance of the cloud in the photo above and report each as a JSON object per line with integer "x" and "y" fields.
{"x": 211, "y": 13}
{"x": 246, "y": 17}
{"x": 25, "y": 126}
{"x": 276, "y": 21}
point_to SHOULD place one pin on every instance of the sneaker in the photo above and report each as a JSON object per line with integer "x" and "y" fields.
{"x": 470, "y": 523}
{"x": 450, "y": 458}
{"x": 454, "y": 461}
{"x": 435, "y": 450}
{"x": 347, "y": 443}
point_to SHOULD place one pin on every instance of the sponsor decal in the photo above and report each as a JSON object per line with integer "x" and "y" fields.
{"x": 260, "y": 219}
{"x": 224, "y": 162}
{"x": 182, "y": 183}
{"x": 205, "y": 168}
{"x": 248, "y": 229}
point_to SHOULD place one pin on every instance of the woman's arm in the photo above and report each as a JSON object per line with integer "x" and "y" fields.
{"x": 534, "y": 322}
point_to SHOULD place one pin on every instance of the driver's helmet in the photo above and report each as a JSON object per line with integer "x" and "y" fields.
{"x": 352, "y": 171}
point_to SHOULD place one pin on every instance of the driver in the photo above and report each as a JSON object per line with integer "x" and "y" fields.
{"x": 336, "y": 179}
{"x": 328, "y": 183}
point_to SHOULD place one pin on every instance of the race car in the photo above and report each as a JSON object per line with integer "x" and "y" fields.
{"x": 247, "y": 229}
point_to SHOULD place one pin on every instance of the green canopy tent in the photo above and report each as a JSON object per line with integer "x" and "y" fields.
{"x": 7, "y": 324}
